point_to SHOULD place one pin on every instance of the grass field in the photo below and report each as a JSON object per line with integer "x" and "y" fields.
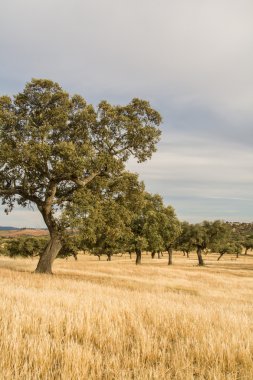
{"x": 113, "y": 320}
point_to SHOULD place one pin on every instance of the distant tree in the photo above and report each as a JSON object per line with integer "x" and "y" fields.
{"x": 25, "y": 246}
{"x": 102, "y": 216}
{"x": 184, "y": 241}
{"x": 152, "y": 223}
{"x": 145, "y": 226}
{"x": 231, "y": 247}
{"x": 247, "y": 243}
{"x": 170, "y": 228}
{"x": 70, "y": 246}
{"x": 53, "y": 145}
{"x": 207, "y": 235}
{"x": 4, "y": 247}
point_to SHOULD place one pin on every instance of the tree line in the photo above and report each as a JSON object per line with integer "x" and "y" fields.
{"x": 144, "y": 233}
{"x": 67, "y": 158}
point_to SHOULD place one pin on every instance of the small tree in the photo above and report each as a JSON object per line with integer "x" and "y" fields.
{"x": 170, "y": 228}
{"x": 184, "y": 241}
{"x": 230, "y": 247}
{"x": 25, "y": 246}
{"x": 102, "y": 215}
{"x": 247, "y": 243}
{"x": 152, "y": 212}
{"x": 207, "y": 235}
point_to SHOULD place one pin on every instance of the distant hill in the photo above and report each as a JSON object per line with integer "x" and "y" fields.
{"x": 15, "y": 232}
{"x": 4, "y": 228}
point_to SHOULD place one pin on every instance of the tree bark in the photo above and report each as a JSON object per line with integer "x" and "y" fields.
{"x": 153, "y": 254}
{"x": 200, "y": 259}
{"x": 220, "y": 256}
{"x": 49, "y": 255}
{"x": 109, "y": 257}
{"x": 138, "y": 257}
{"x": 75, "y": 255}
{"x": 170, "y": 252}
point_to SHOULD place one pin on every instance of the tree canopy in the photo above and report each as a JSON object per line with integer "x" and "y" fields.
{"x": 54, "y": 144}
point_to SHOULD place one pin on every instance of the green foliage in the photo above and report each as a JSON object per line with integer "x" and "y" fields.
{"x": 247, "y": 243}
{"x": 232, "y": 247}
{"x": 53, "y": 145}
{"x": 102, "y": 213}
{"x": 208, "y": 234}
{"x": 25, "y": 246}
{"x": 184, "y": 241}
{"x": 71, "y": 244}
{"x": 154, "y": 226}
{"x": 170, "y": 227}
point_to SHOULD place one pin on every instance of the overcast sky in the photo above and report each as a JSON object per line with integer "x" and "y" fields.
{"x": 192, "y": 59}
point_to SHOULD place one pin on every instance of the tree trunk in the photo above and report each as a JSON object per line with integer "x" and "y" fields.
{"x": 170, "y": 252}
{"x": 138, "y": 257}
{"x": 246, "y": 251}
{"x": 220, "y": 256}
{"x": 130, "y": 254}
{"x": 187, "y": 252}
{"x": 159, "y": 254}
{"x": 75, "y": 255}
{"x": 153, "y": 254}
{"x": 109, "y": 257}
{"x": 200, "y": 259}
{"x": 48, "y": 256}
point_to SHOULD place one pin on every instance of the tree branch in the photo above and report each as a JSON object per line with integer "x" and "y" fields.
{"x": 84, "y": 182}
{"x": 20, "y": 191}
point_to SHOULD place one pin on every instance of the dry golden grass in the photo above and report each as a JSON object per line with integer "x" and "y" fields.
{"x": 113, "y": 320}
{"x": 25, "y": 232}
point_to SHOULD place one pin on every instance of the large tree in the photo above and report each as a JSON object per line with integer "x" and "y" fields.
{"x": 53, "y": 144}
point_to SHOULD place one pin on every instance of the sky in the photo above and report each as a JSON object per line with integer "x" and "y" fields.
{"x": 192, "y": 59}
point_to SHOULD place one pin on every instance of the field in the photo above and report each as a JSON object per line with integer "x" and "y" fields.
{"x": 23, "y": 232}
{"x": 115, "y": 320}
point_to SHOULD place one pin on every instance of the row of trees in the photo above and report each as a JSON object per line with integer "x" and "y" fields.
{"x": 155, "y": 229}
{"x": 68, "y": 158}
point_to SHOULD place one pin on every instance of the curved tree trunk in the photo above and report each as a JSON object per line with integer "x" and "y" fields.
{"x": 170, "y": 252}
{"x": 200, "y": 259}
{"x": 49, "y": 255}
{"x": 220, "y": 256}
{"x": 138, "y": 257}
